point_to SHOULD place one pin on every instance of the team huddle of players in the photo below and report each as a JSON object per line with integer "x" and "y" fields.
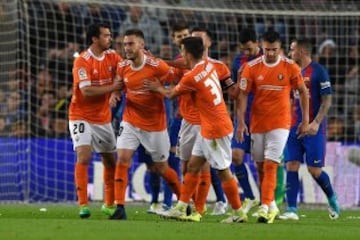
{"x": 271, "y": 95}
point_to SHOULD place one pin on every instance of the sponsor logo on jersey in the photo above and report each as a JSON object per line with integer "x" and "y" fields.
{"x": 82, "y": 74}
{"x": 280, "y": 77}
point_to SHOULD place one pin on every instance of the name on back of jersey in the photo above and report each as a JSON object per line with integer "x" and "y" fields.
{"x": 204, "y": 72}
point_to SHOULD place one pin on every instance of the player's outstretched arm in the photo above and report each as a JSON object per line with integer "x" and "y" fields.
{"x": 89, "y": 91}
{"x": 156, "y": 86}
{"x": 177, "y": 64}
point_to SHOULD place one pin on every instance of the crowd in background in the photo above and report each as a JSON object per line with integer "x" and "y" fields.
{"x": 55, "y": 31}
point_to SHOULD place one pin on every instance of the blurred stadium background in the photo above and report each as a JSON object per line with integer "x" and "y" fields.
{"x": 38, "y": 39}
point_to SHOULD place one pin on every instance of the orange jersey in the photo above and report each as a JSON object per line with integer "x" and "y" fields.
{"x": 203, "y": 84}
{"x": 89, "y": 70}
{"x": 144, "y": 109}
{"x": 188, "y": 109}
{"x": 271, "y": 86}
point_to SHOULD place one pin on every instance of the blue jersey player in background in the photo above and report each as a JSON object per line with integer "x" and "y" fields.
{"x": 179, "y": 31}
{"x": 249, "y": 50}
{"x": 310, "y": 148}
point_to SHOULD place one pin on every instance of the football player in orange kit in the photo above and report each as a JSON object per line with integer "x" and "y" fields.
{"x": 213, "y": 143}
{"x": 270, "y": 78}
{"x": 144, "y": 118}
{"x": 90, "y": 114}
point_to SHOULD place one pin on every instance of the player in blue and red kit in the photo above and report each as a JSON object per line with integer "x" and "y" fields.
{"x": 310, "y": 148}
{"x": 249, "y": 50}
{"x": 178, "y": 32}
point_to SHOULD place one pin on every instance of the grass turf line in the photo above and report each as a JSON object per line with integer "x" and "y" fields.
{"x": 61, "y": 221}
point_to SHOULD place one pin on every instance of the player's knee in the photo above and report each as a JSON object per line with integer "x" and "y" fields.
{"x": 83, "y": 160}
{"x": 184, "y": 167}
{"x": 108, "y": 159}
{"x": 173, "y": 149}
{"x": 237, "y": 160}
{"x": 292, "y": 166}
{"x": 83, "y": 157}
{"x": 160, "y": 167}
{"x": 314, "y": 171}
{"x": 124, "y": 156}
{"x": 194, "y": 167}
{"x": 237, "y": 156}
{"x": 225, "y": 174}
{"x": 150, "y": 167}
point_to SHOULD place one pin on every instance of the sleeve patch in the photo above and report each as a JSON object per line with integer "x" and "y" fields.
{"x": 243, "y": 83}
{"x": 82, "y": 74}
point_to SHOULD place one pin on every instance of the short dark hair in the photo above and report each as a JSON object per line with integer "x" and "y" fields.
{"x": 93, "y": 30}
{"x": 304, "y": 43}
{"x": 271, "y": 36}
{"x": 136, "y": 32}
{"x": 194, "y": 46}
{"x": 247, "y": 34}
{"x": 177, "y": 27}
{"x": 200, "y": 29}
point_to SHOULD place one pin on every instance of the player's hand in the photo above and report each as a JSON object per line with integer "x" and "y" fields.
{"x": 240, "y": 131}
{"x": 114, "y": 98}
{"x": 303, "y": 130}
{"x": 147, "y": 52}
{"x": 234, "y": 91}
{"x": 154, "y": 85}
{"x": 313, "y": 128}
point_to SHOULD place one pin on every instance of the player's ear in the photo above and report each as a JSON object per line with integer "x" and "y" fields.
{"x": 94, "y": 39}
{"x": 142, "y": 43}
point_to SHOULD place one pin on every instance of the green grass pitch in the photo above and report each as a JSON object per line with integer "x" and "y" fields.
{"x": 61, "y": 221}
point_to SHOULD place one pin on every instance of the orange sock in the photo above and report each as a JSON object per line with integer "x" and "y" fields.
{"x": 109, "y": 182}
{"x": 194, "y": 196}
{"x": 231, "y": 191}
{"x": 81, "y": 181}
{"x": 121, "y": 182}
{"x": 202, "y": 191}
{"x": 260, "y": 171}
{"x": 172, "y": 180}
{"x": 269, "y": 183}
{"x": 189, "y": 186}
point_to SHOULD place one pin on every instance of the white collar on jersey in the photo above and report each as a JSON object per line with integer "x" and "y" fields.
{"x": 139, "y": 67}
{"x": 94, "y": 56}
{"x": 271, "y": 64}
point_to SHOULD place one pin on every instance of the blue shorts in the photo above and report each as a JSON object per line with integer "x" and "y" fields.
{"x": 143, "y": 156}
{"x": 174, "y": 131}
{"x": 310, "y": 149}
{"x": 245, "y": 145}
